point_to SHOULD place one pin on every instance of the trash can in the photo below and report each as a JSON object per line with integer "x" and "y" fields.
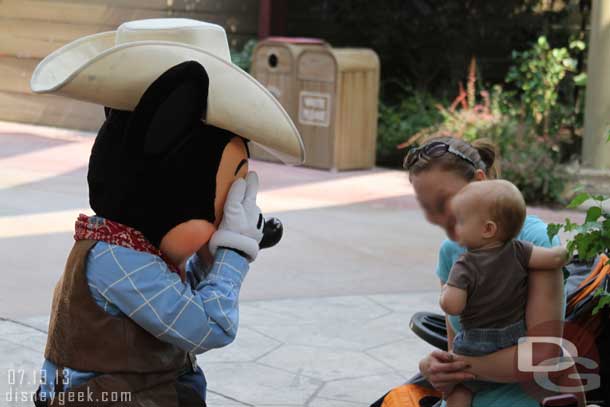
{"x": 330, "y": 93}
{"x": 274, "y": 62}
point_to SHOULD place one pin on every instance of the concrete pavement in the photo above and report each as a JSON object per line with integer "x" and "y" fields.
{"x": 333, "y": 351}
{"x": 324, "y": 315}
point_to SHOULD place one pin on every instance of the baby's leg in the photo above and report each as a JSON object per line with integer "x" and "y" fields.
{"x": 459, "y": 397}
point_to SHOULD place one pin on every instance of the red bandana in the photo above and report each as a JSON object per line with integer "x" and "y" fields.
{"x": 105, "y": 230}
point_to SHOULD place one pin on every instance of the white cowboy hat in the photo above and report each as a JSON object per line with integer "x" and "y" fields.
{"x": 115, "y": 68}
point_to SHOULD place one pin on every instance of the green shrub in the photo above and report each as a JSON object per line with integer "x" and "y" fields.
{"x": 590, "y": 238}
{"x": 528, "y": 160}
{"x": 532, "y": 163}
{"x": 414, "y": 112}
{"x": 243, "y": 58}
{"x": 537, "y": 73}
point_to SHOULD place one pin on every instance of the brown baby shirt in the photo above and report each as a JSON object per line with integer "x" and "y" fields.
{"x": 496, "y": 282}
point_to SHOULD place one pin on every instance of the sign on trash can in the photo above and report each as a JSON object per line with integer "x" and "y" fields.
{"x": 314, "y": 108}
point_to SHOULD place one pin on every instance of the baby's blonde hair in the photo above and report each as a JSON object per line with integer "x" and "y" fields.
{"x": 503, "y": 202}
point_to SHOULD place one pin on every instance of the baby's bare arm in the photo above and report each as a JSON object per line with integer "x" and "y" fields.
{"x": 453, "y": 299}
{"x": 548, "y": 258}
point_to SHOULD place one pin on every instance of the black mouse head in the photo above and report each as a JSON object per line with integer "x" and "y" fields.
{"x": 161, "y": 165}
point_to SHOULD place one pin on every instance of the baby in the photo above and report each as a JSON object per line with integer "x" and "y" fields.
{"x": 487, "y": 285}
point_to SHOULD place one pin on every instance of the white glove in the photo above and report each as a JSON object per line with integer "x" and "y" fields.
{"x": 242, "y": 224}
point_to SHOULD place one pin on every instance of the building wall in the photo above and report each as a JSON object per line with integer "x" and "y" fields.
{"x": 31, "y": 29}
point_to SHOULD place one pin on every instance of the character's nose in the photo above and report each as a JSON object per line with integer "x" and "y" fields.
{"x": 272, "y": 233}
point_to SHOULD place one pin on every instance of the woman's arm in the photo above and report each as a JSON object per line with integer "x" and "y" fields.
{"x": 443, "y": 371}
{"x": 544, "y": 313}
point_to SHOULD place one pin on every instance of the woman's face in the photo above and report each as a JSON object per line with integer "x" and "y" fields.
{"x": 434, "y": 189}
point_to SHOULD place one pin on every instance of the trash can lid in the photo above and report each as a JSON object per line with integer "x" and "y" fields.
{"x": 298, "y": 40}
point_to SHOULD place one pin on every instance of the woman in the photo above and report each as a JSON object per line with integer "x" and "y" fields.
{"x": 438, "y": 170}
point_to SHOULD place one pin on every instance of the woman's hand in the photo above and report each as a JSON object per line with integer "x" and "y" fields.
{"x": 443, "y": 371}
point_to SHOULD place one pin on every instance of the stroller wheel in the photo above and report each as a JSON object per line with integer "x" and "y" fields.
{"x": 431, "y": 328}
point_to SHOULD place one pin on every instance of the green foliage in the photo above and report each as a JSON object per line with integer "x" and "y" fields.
{"x": 470, "y": 117}
{"x": 470, "y": 124}
{"x": 590, "y": 238}
{"x": 537, "y": 74}
{"x": 528, "y": 160}
{"x": 580, "y": 79}
{"x": 413, "y": 113}
{"x": 476, "y": 118}
{"x": 604, "y": 299}
{"x": 531, "y": 163}
{"x": 436, "y": 38}
{"x": 243, "y": 58}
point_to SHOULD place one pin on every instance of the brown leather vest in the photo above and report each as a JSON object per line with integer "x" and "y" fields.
{"x": 82, "y": 336}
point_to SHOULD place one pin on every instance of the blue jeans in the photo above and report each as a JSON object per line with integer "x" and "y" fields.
{"x": 196, "y": 380}
{"x": 483, "y": 341}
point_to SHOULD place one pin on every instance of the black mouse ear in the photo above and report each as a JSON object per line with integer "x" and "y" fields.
{"x": 168, "y": 110}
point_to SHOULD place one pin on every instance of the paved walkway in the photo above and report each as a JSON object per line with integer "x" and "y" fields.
{"x": 324, "y": 315}
{"x": 334, "y": 351}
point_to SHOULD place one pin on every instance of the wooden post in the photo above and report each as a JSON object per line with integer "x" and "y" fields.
{"x": 596, "y": 149}
{"x": 264, "y": 19}
{"x": 272, "y": 18}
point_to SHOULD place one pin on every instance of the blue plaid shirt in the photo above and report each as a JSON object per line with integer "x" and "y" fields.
{"x": 196, "y": 316}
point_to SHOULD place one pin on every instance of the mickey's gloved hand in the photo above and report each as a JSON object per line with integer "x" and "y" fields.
{"x": 242, "y": 224}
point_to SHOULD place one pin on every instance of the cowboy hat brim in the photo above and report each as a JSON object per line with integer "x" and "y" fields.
{"x": 94, "y": 69}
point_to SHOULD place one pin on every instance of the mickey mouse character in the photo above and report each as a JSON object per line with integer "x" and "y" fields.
{"x": 154, "y": 277}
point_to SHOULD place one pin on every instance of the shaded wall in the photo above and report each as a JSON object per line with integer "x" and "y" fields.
{"x": 31, "y": 29}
